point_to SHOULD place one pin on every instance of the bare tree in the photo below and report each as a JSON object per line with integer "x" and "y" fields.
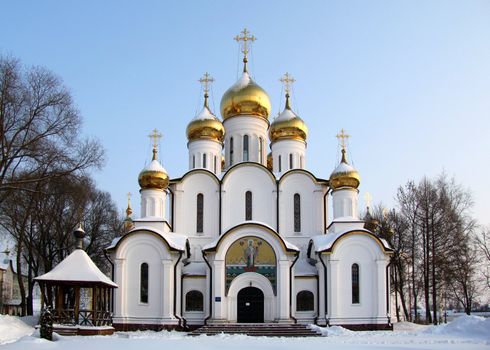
{"x": 482, "y": 242}
{"x": 39, "y": 129}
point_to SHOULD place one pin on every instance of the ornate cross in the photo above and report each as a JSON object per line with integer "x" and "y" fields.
{"x": 287, "y": 81}
{"x": 206, "y": 81}
{"x": 342, "y": 136}
{"x": 129, "y": 198}
{"x": 245, "y": 38}
{"x": 155, "y": 136}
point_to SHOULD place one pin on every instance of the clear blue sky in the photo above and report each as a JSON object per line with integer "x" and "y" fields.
{"x": 409, "y": 80}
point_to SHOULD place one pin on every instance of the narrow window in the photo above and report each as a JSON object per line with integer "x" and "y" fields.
{"x": 290, "y": 161}
{"x": 297, "y": 212}
{"x": 245, "y": 148}
{"x": 261, "y": 147}
{"x": 204, "y": 163}
{"x": 193, "y": 161}
{"x": 355, "y": 284}
{"x": 231, "y": 151}
{"x": 215, "y": 164}
{"x": 194, "y": 301}
{"x": 248, "y": 205}
{"x": 305, "y": 301}
{"x": 301, "y": 162}
{"x": 200, "y": 213}
{"x": 279, "y": 163}
{"x": 144, "y": 283}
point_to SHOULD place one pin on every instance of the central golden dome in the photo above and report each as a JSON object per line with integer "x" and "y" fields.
{"x": 245, "y": 97}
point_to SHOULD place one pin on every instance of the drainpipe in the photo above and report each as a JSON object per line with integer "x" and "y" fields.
{"x": 112, "y": 278}
{"x": 219, "y": 209}
{"x": 388, "y": 292}
{"x": 210, "y": 288}
{"x": 325, "y": 286}
{"x": 291, "y": 289}
{"x": 182, "y": 302}
{"x": 325, "y": 211}
{"x": 175, "y": 289}
{"x": 315, "y": 320}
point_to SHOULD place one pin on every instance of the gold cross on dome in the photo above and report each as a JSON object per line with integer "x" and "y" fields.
{"x": 129, "y": 198}
{"x": 287, "y": 80}
{"x": 206, "y": 81}
{"x": 245, "y": 38}
{"x": 368, "y": 199}
{"x": 342, "y": 136}
{"x": 155, "y": 136}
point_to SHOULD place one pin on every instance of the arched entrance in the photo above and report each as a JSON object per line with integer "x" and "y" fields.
{"x": 250, "y": 305}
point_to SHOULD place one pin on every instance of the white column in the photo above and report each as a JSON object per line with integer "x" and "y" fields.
{"x": 334, "y": 297}
{"x": 283, "y": 291}
{"x": 219, "y": 290}
{"x": 167, "y": 278}
{"x": 380, "y": 289}
{"x": 119, "y": 296}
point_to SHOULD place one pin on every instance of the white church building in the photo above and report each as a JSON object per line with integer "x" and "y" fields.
{"x": 246, "y": 235}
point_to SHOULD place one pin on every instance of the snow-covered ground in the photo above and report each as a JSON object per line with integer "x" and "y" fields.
{"x": 466, "y": 332}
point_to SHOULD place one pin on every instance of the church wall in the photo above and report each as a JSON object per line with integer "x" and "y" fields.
{"x": 305, "y": 283}
{"x": 195, "y": 283}
{"x": 311, "y": 198}
{"x": 186, "y": 204}
{"x": 371, "y": 309}
{"x": 238, "y": 126}
{"x": 263, "y": 188}
{"x": 281, "y": 150}
{"x": 130, "y": 255}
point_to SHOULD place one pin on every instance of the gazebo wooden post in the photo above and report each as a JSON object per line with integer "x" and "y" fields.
{"x": 59, "y": 302}
{"x": 94, "y": 305}
{"x": 77, "y": 304}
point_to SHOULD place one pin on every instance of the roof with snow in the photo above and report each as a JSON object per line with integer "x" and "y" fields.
{"x": 304, "y": 268}
{"x": 325, "y": 243}
{"x": 214, "y": 244}
{"x": 77, "y": 268}
{"x": 175, "y": 241}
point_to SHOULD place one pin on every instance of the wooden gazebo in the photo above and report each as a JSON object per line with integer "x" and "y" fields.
{"x": 82, "y": 294}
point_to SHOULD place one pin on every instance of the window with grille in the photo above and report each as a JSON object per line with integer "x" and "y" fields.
{"x": 305, "y": 301}
{"x": 355, "y": 284}
{"x": 248, "y": 205}
{"x": 194, "y": 301}
{"x": 144, "y": 283}
{"x": 297, "y": 212}
{"x": 231, "y": 151}
{"x": 200, "y": 213}
{"x": 245, "y": 148}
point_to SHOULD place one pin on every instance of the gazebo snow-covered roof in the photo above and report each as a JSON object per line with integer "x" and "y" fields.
{"x": 77, "y": 268}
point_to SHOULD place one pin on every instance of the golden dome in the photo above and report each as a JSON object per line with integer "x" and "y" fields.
{"x": 154, "y": 176}
{"x": 205, "y": 126}
{"x": 269, "y": 161}
{"x": 344, "y": 175}
{"x": 288, "y": 126}
{"x": 245, "y": 97}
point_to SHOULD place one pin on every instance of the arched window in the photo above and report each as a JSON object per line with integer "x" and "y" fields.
{"x": 305, "y": 301}
{"x": 231, "y": 151}
{"x": 248, "y": 205}
{"x": 144, "y": 283}
{"x": 279, "y": 164}
{"x": 204, "y": 161}
{"x": 297, "y": 212}
{"x": 214, "y": 164}
{"x": 245, "y": 148}
{"x": 194, "y": 301}
{"x": 261, "y": 150}
{"x": 290, "y": 160}
{"x": 355, "y": 284}
{"x": 200, "y": 213}
{"x": 193, "y": 161}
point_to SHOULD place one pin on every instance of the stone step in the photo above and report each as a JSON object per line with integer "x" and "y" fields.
{"x": 258, "y": 330}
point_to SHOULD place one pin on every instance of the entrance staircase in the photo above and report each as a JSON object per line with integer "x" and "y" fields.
{"x": 258, "y": 330}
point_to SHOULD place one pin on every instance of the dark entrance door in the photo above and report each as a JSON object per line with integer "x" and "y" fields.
{"x": 250, "y": 305}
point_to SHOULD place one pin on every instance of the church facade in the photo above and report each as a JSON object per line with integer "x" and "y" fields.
{"x": 246, "y": 235}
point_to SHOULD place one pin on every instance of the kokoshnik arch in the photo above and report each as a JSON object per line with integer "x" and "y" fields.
{"x": 247, "y": 237}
